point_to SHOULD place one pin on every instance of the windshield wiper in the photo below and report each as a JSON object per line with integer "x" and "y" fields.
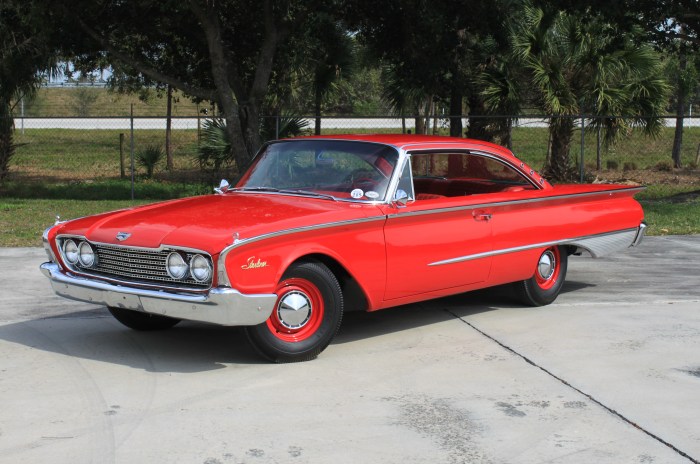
{"x": 309, "y": 193}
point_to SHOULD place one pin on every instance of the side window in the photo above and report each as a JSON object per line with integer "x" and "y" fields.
{"x": 458, "y": 174}
{"x": 405, "y": 182}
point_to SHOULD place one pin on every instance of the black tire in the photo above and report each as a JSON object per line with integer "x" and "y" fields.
{"x": 545, "y": 284}
{"x": 142, "y": 321}
{"x": 306, "y": 316}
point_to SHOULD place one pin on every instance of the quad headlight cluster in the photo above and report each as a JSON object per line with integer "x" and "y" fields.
{"x": 198, "y": 267}
{"x": 81, "y": 254}
{"x": 179, "y": 265}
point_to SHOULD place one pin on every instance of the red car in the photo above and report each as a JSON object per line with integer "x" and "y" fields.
{"x": 322, "y": 225}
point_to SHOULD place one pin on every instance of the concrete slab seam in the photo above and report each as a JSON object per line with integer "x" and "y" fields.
{"x": 564, "y": 382}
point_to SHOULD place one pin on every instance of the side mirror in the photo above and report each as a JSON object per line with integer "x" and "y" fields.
{"x": 401, "y": 198}
{"x": 223, "y": 187}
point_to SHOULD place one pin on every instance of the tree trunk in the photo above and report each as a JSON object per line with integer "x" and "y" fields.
{"x": 680, "y": 112}
{"x": 561, "y": 131}
{"x": 478, "y": 124}
{"x": 456, "y": 112}
{"x": 169, "y": 130}
{"x": 7, "y": 146}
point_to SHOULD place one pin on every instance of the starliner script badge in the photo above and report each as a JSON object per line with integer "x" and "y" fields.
{"x": 121, "y": 236}
{"x": 253, "y": 264}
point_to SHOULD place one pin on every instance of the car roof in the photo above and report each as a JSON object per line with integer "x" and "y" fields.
{"x": 410, "y": 141}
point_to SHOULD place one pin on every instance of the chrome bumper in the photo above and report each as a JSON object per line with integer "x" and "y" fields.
{"x": 221, "y": 305}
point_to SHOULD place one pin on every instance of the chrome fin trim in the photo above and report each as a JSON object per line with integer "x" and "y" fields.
{"x": 597, "y": 245}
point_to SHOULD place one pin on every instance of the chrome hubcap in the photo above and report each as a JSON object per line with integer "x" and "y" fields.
{"x": 294, "y": 310}
{"x": 545, "y": 268}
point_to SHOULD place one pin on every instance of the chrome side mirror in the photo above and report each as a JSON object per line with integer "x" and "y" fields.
{"x": 401, "y": 198}
{"x": 223, "y": 187}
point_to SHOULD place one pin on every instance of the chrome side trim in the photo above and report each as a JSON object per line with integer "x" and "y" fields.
{"x": 597, "y": 245}
{"x": 221, "y": 267}
{"x": 515, "y": 202}
{"x": 223, "y": 306}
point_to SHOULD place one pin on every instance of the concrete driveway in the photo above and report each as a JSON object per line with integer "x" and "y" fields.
{"x": 610, "y": 373}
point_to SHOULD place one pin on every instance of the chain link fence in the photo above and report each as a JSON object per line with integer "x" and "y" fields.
{"x": 84, "y": 149}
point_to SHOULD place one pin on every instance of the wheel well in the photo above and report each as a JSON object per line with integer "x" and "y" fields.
{"x": 353, "y": 297}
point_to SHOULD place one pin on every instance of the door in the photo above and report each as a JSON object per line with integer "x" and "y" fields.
{"x": 435, "y": 243}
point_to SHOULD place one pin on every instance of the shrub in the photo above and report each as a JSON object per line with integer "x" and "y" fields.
{"x": 629, "y": 166}
{"x": 611, "y": 165}
{"x": 214, "y": 145}
{"x": 149, "y": 157}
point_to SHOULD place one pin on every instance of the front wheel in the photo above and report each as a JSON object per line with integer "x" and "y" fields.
{"x": 305, "y": 318}
{"x": 142, "y": 321}
{"x": 546, "y": 283}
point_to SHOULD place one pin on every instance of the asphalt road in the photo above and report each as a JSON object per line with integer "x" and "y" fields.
{"x": 610, "y": 373}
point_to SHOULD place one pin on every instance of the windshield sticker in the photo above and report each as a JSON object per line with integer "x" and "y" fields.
{"x": 357, "y": 194}
{"x": 372, "y": 195}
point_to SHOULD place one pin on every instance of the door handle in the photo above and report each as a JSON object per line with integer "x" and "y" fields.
{"x": 481, "y": 216}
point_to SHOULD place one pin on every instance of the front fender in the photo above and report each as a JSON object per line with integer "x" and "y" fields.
{"x": 256, "y": 266}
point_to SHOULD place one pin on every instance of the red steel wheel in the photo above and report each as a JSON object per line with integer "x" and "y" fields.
{"x": 548, "y": 268}
{"x": 305, "y": 318}
{"x": 299, "y": 310}
{"x": 548, "y": 279}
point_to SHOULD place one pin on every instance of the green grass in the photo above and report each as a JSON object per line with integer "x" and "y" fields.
{"x": 77, "y": 172}
{"x": 65, "y": 102}
{"x": 26, "y": 211}
{"x": 23, "y": 220}
{"x": 54, "y": 154}
{"x": 635, "y": 150}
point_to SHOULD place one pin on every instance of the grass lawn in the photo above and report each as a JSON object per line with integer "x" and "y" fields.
{"x": 22, "y": 220}
{"x": 76, "y": 172}
{"x": 669, "y": 209}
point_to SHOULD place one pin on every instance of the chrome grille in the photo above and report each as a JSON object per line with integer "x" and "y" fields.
{"x": 141, "y": 266}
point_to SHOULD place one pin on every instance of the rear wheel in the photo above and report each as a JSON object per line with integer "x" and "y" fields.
{"x": 546, "y": 283}
{"x": 305, "y": 318}
{"x": 142, "y": 321}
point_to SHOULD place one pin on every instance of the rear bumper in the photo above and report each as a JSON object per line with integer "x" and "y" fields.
{"x": 221, "y": 305}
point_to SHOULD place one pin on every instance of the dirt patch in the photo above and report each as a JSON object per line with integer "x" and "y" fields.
{"x": 649, "y": 176}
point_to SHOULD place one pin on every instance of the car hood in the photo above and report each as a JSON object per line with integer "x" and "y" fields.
{"x": 209, "y": 222}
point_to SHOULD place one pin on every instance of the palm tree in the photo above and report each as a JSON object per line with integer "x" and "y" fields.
{"x": 580, "y": 65}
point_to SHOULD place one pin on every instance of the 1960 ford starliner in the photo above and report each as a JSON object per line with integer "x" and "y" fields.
{"x": 322, "y": 225}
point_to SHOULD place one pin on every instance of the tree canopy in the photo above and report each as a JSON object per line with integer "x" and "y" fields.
{"x": 481, "y": 58}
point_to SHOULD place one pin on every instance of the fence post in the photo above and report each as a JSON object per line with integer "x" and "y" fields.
{"x": 598, "y": 159}
{"x": 132, "y": 151}
{"x": 277, "y": 125}
{"x": 122, "y": 171}
{"x": 583, "y": 142}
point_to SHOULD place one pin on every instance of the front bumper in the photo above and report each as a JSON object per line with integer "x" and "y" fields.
{"x": 221, "y": 305}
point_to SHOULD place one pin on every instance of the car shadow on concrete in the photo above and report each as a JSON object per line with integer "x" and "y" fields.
{"x": 195, "y": 347}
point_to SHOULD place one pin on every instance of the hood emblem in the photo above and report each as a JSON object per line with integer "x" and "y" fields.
{"x": 121, "y": 236}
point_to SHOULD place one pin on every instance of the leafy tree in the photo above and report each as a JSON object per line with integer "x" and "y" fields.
{"x": 222, "y": 51}
{"x": 673, "y": 26}
{"x": 432, "y": 51}
{"x": 582, "y": 65}
{"x": 26, "y": 52}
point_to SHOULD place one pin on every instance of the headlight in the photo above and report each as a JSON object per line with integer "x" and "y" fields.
{"x": 200, "y": 269}
{"x": 86, "y": 255}
{"x": 176, "y": 266}
{"x": 70, "y": 251}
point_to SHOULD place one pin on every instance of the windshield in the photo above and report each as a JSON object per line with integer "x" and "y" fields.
{"x": 328, "y": 168}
